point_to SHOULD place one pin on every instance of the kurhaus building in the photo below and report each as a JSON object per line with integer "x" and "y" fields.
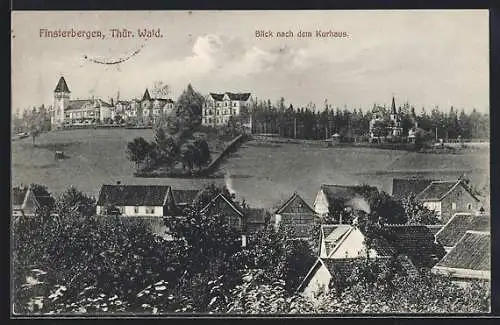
{"x": 218, "y": 108}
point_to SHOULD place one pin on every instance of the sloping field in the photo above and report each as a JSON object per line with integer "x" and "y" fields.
{"x": 264, "y": 175}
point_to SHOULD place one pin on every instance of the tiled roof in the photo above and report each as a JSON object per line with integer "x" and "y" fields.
{"x": 332, "y": 235}
{"x": 458, "y": 225}
{"x": 133, "y": 195}
{"x": 434, "y": 229}
{"x": 342, "y": 193}
{"x": 78, "y": 104}
{"x": 402, "y": 188}
{"x": 183, "y": 197}
{"x": 472, "y": 252}
{"x": 61, "y": 86}
{"x": 415, "y": 241}
{"x": 164, "y": 100}
{"x": 437, "y": 190}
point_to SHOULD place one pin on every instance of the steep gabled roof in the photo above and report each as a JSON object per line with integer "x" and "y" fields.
{"x": 402, "y": 188}
{"x": 415, "y": 241}
{"x": 471, "y": 257}
{"x": 438, "y": 190}
{"x": 295, "y": 204}
{"x": 184, "y": 197}
{"x": 459, "y": 224}
{"x": 62, "y": 87}
{"x": 133, "y": 195}
{"x": 221, "y": 197}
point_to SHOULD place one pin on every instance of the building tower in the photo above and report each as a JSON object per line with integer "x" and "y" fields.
{"x": 61, "y": 101}
{"x": 395, "y": 119}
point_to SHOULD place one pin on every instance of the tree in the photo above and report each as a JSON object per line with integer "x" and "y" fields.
{"x": 168, "y": 148}
{"x": 417, "y": 213}
{"x": 73, "y": 201}
{"x": 188, "y": 109}
{"x": 36, "y": 122}
{"x": 138, "y": 150}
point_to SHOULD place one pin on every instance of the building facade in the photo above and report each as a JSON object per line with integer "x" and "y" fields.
{"x": 219, "y": 108}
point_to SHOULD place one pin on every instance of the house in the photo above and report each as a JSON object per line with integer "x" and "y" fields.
{"x": 184, "y": 198}
{"x": 458, "y": 225}
{"x": 246, "y": 223}
{"x": 447, "y": 198}
{"x": 256, "y": 219}
{"x": 391, "y": 122}
{"x": 296, "y": 214}
{"x": 26, "y": 202}
{"x": 77, "y": 112}
{"x": 469, "y": 259}
{"x": 218, "y": 108}
{"x": 403, "y": 188}
{"x": 326, "y": 273}
{"x": 137, "y": 200}
{"x": 349, "y": 241}
{"x": 341, "y": 197}
{"x": 415, "y": 241}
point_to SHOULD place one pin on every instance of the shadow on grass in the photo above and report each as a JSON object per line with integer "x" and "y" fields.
{"x": 58, "y": 146}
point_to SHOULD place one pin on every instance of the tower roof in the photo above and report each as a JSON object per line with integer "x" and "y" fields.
{"x": 393, "y": 106}
{"x": 146, "y": 95}
{"x": 62, "y": 87}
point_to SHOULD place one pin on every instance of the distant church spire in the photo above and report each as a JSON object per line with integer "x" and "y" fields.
{"x": 146, "y": 95}
{"x": 62, "y": 87}
{"x": 393, "y": 106}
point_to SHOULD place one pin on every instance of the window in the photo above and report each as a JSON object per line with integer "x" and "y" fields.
{"x": 150, "y": 210}
{"x": 453, "y": 206}
{"x": 234, "y": 104}
{"x": 233, "y": 221}
{"x": 136, "y": 210}
{"x": 469, "y": 206}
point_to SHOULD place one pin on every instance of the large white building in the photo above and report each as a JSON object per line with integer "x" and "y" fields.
{"x": 90, "y": 111}
{"x": 218, "y": 108}
{"x": 80, "y": 111}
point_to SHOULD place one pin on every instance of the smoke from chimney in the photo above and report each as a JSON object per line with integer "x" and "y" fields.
{"x": 229, "y": 183}
{"x": 359, "y": 203}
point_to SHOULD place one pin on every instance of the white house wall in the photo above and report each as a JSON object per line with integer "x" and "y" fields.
{"x": 319, "y": 283}
{"x": 434, "y": 206}
{"x": 352, "y": 246}
{"x": 321, "y": 203}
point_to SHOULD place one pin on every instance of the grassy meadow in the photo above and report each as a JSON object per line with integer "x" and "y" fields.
{"x": 263, "y": 174}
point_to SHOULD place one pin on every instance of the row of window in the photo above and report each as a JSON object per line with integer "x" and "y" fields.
{"x": 219, "y": 104}
{"x": 218, "y": 112}
{"x": 454, "y": 206}
{"x": 209, "y": 120}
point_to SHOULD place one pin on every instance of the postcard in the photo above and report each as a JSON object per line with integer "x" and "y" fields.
{"x": 235, "y": 163}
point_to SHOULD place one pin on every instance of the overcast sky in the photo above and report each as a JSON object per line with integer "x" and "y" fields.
{"x": 426, "y": 57}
